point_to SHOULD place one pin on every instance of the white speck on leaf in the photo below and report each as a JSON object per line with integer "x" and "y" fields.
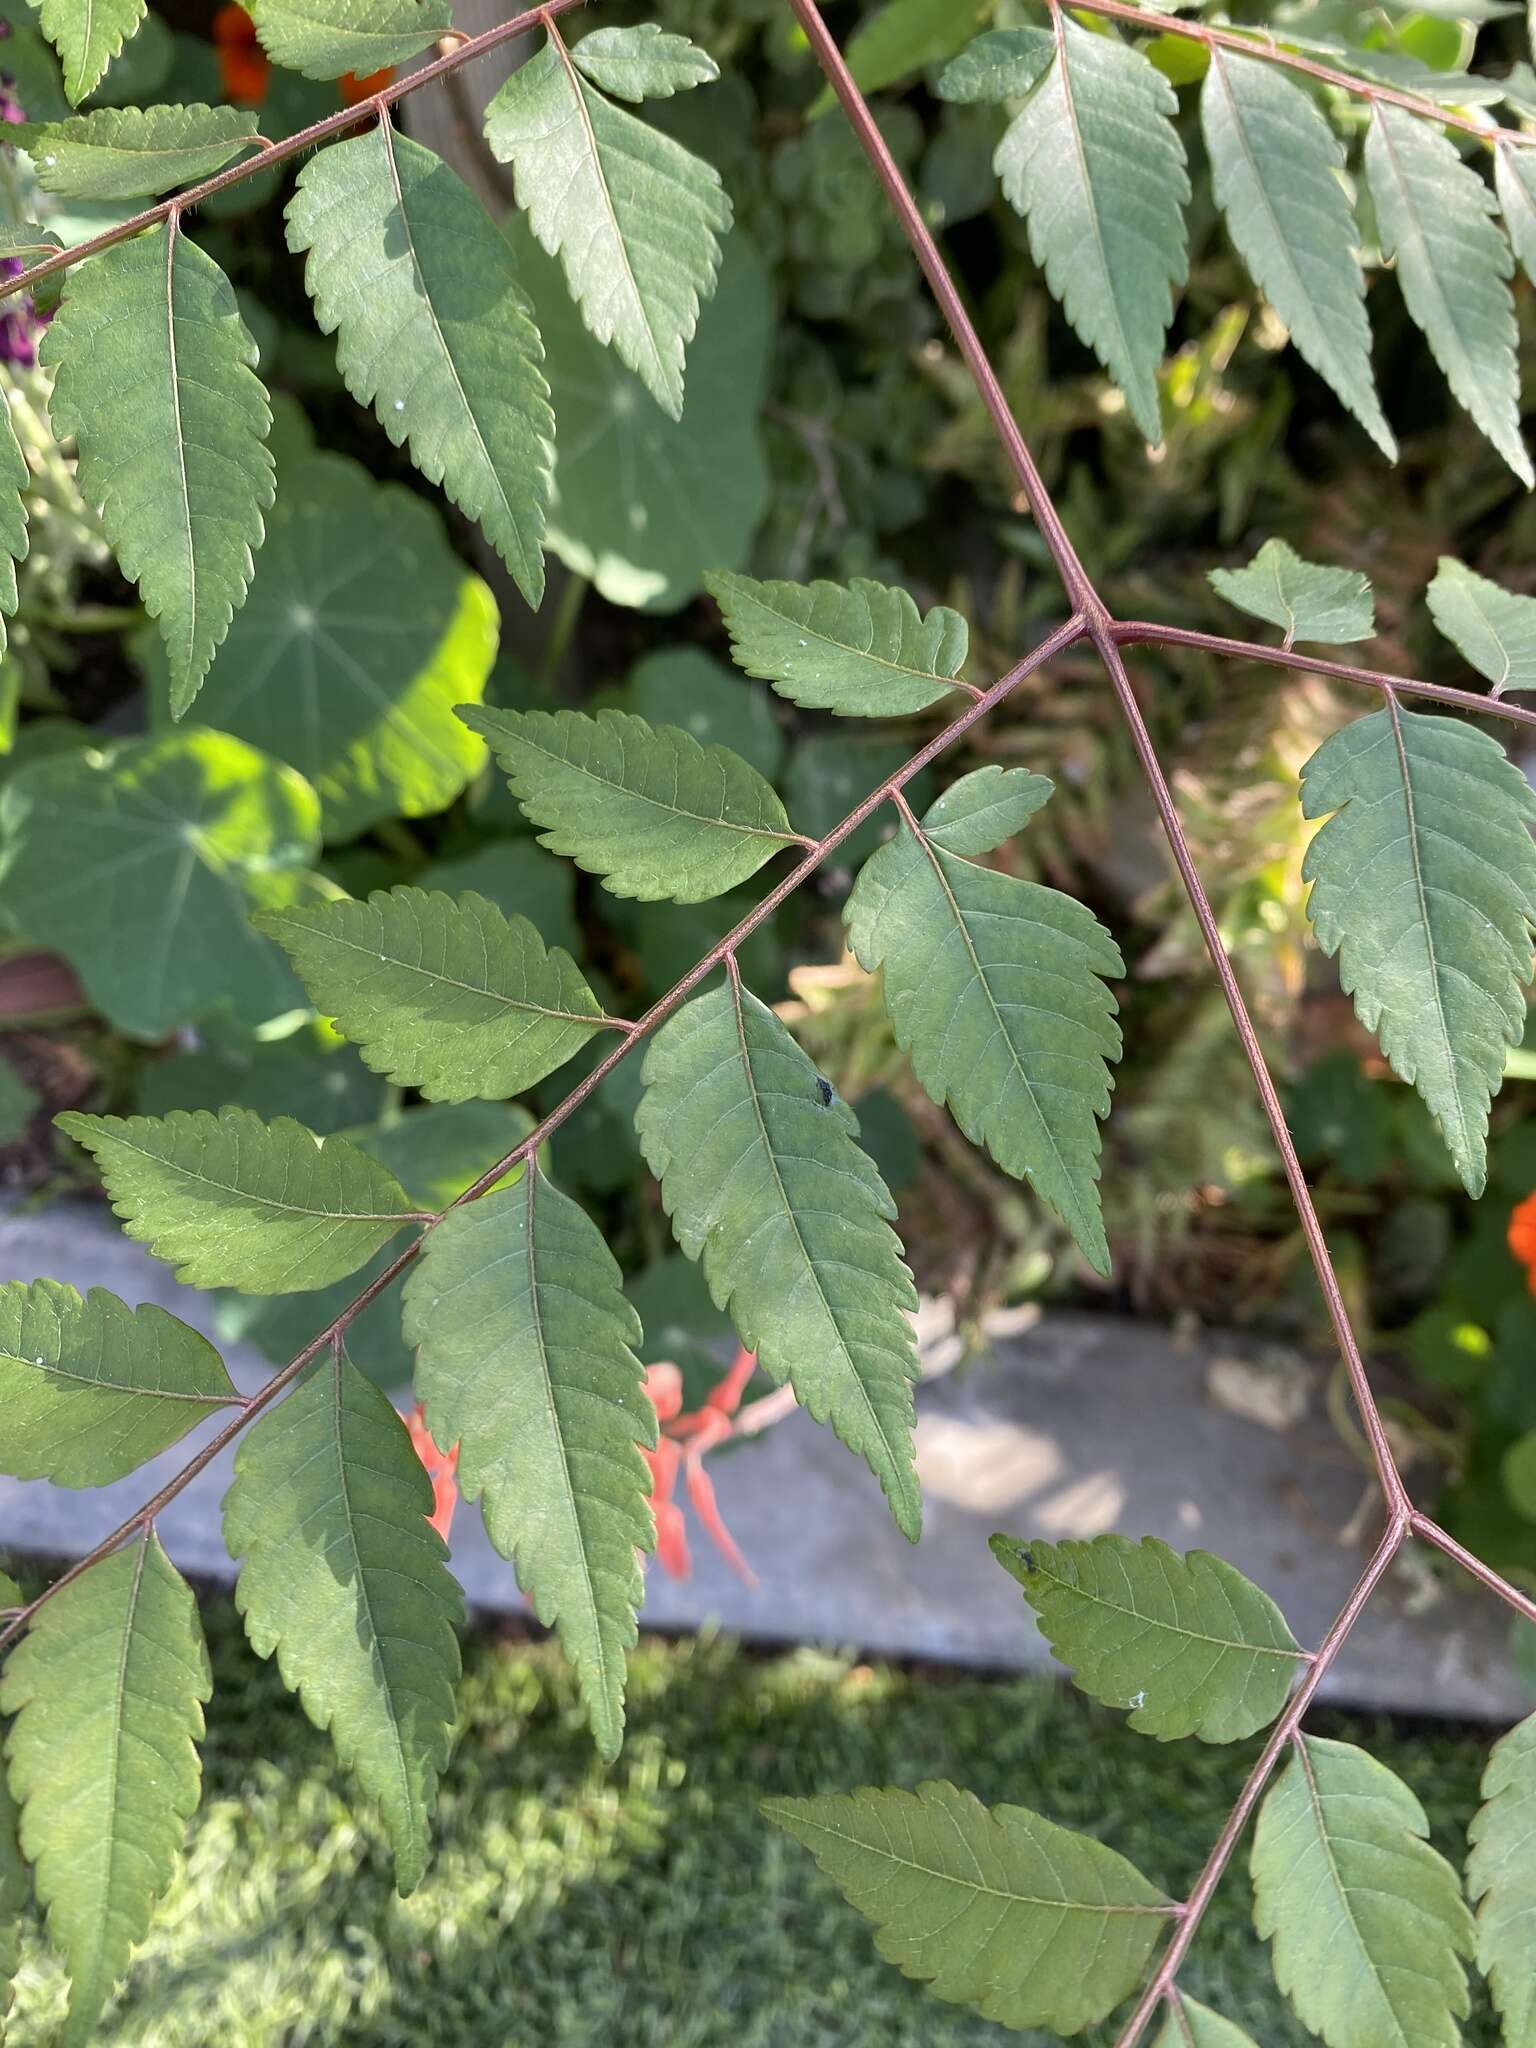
{"x": 1140, "y": 1700}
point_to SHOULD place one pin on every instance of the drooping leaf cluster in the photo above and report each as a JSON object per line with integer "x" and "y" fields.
{"x": 1096, "y": 157}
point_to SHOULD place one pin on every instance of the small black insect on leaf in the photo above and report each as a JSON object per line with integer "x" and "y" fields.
{"x": 824, "y": 1090}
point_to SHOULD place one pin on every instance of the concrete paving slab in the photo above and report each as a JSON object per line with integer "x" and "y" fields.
{"x": 1075, "y": 1425}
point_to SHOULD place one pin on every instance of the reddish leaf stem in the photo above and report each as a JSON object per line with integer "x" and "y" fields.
{"x": 326, "y": 130}
{"x": 1267, "y": 49}
{"x": 1132, "y": 632}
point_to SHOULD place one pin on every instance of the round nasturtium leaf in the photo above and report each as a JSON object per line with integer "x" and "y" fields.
{"x": 361, "y": 632}
{"x": 141, "y": 863}
{"x": 643, "y": 503}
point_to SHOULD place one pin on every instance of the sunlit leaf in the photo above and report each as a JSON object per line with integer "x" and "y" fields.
{"x": 1494, "y": 628}
{"x": 93, "y": 1388}
{"x": 107, "y": 1687}
{"x": 1310, "y": 600}
{"x": 1501, "y": 1880}
{"x": 345, "y": 1580}
{"x": 1187, "y": 1643}
{"x": 133, "y": 152}
{"x": 235, "y": 1202}
{"x": 447, "y": 996}
{"x": 88, "y": 34}
{"x": 643, "y": 62}
{"x": 999, "y": 1909}
{"x": 324, "y": 38}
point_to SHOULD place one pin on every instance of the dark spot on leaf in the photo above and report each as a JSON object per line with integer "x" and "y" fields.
{"x": 824, "y": 1090}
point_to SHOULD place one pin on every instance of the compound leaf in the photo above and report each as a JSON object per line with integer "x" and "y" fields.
{"x": 1453, "y": 264}
{"x": 93, "y": 1388}
{"x": 345, "y": 1579}
{"x": 1187, "y": 1642}
{"x": 1366, "y": 1920}
{"x": 107, "y": 1687}
{"x": 433, "y": 330}
{"x": 766, "y": 1187}
{"x": 860, "y": 649}
{"x": 998, "y": 1908}
{"x": 634, "y": 218}
{"x": 155, "y": 378}
{"x": 1275, "y": 165}
{"x": 236, "y": 1202}
{"x": 1096, "y": 167}
{"x": 88, "y": 34}
{"x": 1310, "y": 600}
{"x": 643, "y": 62}
{"x": 527, "y": 1361}
{"x": 992, "y": 987}
{"x": 1424, "y": 884}
{"x": 1192, "y": 2025}
{"x": 133, "y": 152}
{"x": 324, "y": 38}
{"x": 141, "y": 864}
{"x": 447, "y": 996}
{"x": 653, "y": 812}
{"x": 1495, "y": 629}
{"x": 1501, "y": 1880}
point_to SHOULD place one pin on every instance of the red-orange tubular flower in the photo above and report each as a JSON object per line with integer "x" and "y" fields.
{"x": 1522, "y": 1237}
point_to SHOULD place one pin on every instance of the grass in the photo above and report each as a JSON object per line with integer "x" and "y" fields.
{"x": 649, "y": 1906}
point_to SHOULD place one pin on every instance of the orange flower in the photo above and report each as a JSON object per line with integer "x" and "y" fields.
{"x": 442, "y": 1469}
{"x": 1522, "y": 1237}
{"x": 244, "y": 65}
{"x": 355, "y": 89}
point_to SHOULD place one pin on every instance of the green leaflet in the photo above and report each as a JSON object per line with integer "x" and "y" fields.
{"x": 1424, "y": 884}
{"x": 235, "y": 1202}
{"x": 15, "y": 478}
{"x": 1453, "y": 264}
{"x": 992, "y": 987}
{"x": 634, "y": 218}
{"x": 346, "y": 1580}
{"x": 362, "y": 631}
{"x": 862, "y": 650}
{"x": 449, "y": 997}
{"x": 155, "y": 378}
{"x": 433, "y": 330}
{"x": 324, "y": 38}
{"x": 1501, "y": 1880}
{"x": 766, "y": 1187}
{"x": 527, "y": 1362}
{"x": 1187, "y": 1642}
{"x": 107, "y": 1687}
{"x": 1195, "y": 2026}
{"x": 1494, "y": 628}
{"x": 1096, "y": 167}
{"x": 1003, "y": 64}
{"x": 1310, "y": 600}
{"x": 134, "y": 152}
{"x": 15, "y": 1884}
{"x": 650, "y": 810}
{"x": 1366, "y": 1919}
{"x": 643, "y": 62}
{"x": 999, "y": 1909}
{"x": 1514, "y": 179}
{"x": 141, "y": 864}
{"x": 1274, "y": 164}
{"x": 87, "y": 35}
{"x": 91, "y": 1389}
